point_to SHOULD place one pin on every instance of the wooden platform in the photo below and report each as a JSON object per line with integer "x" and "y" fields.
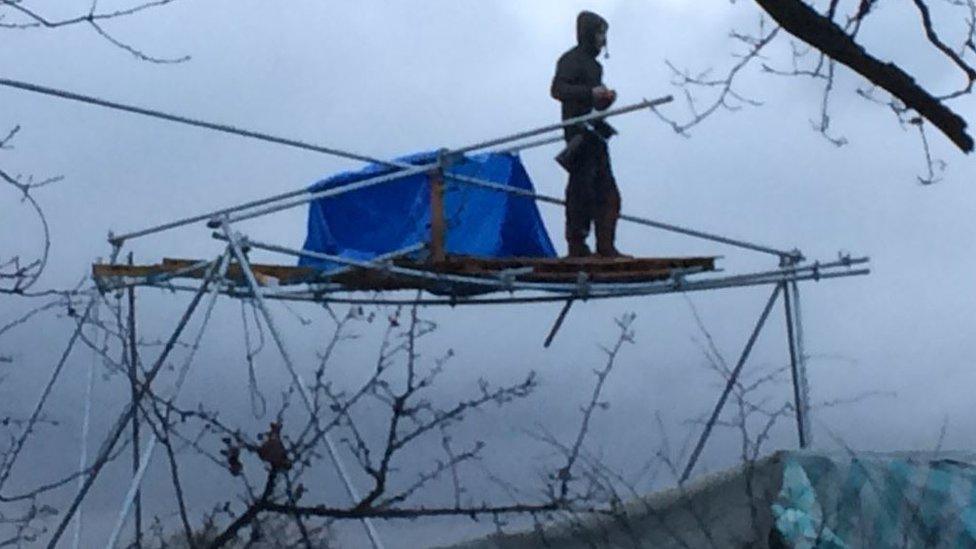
{"x": 554, "y": 270}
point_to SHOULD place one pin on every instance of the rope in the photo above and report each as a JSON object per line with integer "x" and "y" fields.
{"x": 259, "y": 405}
{"x": 224, "y": 128}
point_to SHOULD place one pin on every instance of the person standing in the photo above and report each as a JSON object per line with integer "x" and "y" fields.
{"x": 592, "y": 197}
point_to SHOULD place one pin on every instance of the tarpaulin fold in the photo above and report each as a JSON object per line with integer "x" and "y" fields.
{"x": 394, "y": 215}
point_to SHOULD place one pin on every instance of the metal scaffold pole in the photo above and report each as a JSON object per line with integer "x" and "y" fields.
{"x": 802, "y": 363}
{"x": 134, "y": 385}
{"x": 142, "y": 464}
{"x": 794, "y": 370}
{"x": 469, "y": 283}
{"x": 798, "y": 365}
{"x": 297, "y": 380}
{"x": 733, "y": 379}
{"x": 105, "y": 452}
{"x": 86, "y": 420}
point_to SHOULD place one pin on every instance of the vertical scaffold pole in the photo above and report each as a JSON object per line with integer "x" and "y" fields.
{"x": 258, "y": 292}
{"x": 143, "y": 464}
{"x": 438, "y": 225}
{"x": 733, "y": 378}
{"x": 134, "y": 384}
{"x": 799, "y": 399}
{"x": 801, "y": 354}
{"x": 86, "y": 421}
{"x": 104, "y": 454}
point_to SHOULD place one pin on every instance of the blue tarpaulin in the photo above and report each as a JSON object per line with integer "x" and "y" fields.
{"x": 391, "y": 216}
{"x": 896, "y": 500}
{"x": 803, "y": 499}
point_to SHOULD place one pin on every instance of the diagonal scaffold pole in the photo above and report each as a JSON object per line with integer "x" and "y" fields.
{"x": 154, "y": 113}
{"x": 86, "y": 422}
{"x": 297, "y": 380}
{"x": 132, "y": 495}
{"x": 332, "y": 151}
{"x": 558, "y": 324}
{"x": 6, "y": 467}
{"x": 125, "y": 417}
{"x": 733, "y": 379}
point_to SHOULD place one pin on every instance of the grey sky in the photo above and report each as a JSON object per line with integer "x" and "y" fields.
{"x": 389, "y": 78}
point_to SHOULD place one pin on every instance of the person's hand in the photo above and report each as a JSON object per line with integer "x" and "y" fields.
{"x": 603, "y": 97}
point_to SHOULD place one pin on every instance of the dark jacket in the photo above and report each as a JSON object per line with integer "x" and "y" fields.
{"x": 578, "y": 72}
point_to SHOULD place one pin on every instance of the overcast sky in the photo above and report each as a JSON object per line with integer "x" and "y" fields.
{"x": 390, "y": 78}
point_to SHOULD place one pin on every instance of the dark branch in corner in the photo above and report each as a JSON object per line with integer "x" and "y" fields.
{"x": 819, "y": 31}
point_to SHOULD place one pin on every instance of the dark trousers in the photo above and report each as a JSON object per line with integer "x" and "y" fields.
{"x": 592, "y": 198}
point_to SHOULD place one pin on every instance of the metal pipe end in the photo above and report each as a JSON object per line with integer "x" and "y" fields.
{"x": 652, "y": 103}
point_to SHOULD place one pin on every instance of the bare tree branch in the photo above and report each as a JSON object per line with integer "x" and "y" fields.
{"x": 802, "y": 21}
{"x": 938, "y": 43}
{"x": 728, "y": 98}
{"x": 93, "y": 20}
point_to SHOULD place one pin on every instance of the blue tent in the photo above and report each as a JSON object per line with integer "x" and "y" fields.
{"x": 395, "y": 215}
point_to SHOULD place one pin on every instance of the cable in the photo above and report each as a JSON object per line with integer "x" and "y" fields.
{"x": 54, "y": 92}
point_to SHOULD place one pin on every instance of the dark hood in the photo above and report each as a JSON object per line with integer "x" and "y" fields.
{"x": 587, "y": 25}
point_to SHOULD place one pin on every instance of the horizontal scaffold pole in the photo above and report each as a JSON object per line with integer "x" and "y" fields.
{"x": 118, "y": 240}
{"x": 406, "y": 170}
{"x": 445, "y": 278}
{"x": 796, "y": 256}
{"x": 595, "y": 290}
{"x": 320, "y": 297}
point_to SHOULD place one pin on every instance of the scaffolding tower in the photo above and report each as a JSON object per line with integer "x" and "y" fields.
{"x": 435, "y": 277}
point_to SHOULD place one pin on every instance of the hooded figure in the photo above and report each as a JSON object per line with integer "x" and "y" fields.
{"x": 592, "y": 196}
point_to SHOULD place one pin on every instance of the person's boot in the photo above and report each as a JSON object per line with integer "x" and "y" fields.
{"x": 606, "y": 234}
{"x": 578, "y": 248}
{"x": 577, "y": 229}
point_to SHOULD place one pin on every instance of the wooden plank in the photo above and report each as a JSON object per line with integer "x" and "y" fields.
{"x": 633, "y": 276}
{"x": 106, "y": 271}
{"x": 555, "y": 270}
{"x": 283, "y": 274}
{"x": 480, "y": 266}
